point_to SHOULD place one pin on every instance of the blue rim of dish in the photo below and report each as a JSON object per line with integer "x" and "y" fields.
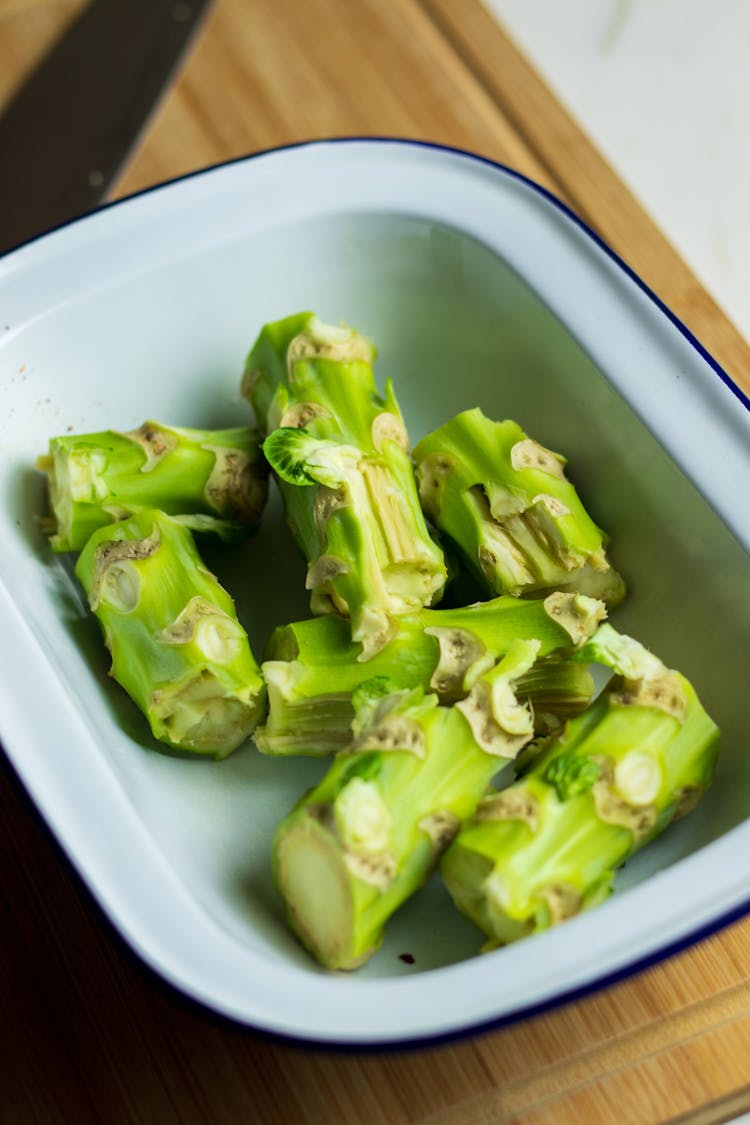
{"x": 669, "y": 949}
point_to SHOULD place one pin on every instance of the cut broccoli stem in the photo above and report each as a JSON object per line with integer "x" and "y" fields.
{"x": 266, "y": 368}
{"x": 367, "y": 837}
{"x": 340, "y": 453}
{"x": 505, "y": 502}
{"x": 312, "y": 667}
{"x": 172, "y": 631}
{"x": 216, "y": 479}
{"x": 548, "y": 846}
{"x": 557, "y": 689}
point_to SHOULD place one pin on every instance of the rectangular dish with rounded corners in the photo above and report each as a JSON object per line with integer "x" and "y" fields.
{"x": 480, "y": 290}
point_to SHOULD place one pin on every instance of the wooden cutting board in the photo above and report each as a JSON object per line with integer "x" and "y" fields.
{"x": 87, "y": 1033}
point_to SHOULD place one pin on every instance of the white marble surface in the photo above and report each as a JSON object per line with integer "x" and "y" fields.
{"x": 663, "y": 89}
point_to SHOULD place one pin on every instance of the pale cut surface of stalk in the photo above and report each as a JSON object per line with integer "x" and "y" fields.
{"x": 312, "y": 669}
{"x": 548, "y": 846}
{"x": 340, "y": 453}
{"x": 368, "y": 836}
{"x": 505, "y": 502}
{"x": 172, "y": 631}
{"x": 216, "y": 479}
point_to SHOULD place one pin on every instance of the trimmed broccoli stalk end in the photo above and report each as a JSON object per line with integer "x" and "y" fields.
{"x": 316, "y": 885}
{"x": 505, "y": 501}
{"x": 216, "y": 480}
{"x": 367, "y": 837}
{"x": 611, "y": 780}
{"x": 313, "y": 668}
{"x": 339, "y": 451}
{"x": 172, "y": 631}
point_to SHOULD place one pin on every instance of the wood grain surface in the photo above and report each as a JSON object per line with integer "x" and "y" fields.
{"x": 90, "y": 1035}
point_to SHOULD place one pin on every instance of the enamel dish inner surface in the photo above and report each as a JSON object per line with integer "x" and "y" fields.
{"x": 479, "y": 291}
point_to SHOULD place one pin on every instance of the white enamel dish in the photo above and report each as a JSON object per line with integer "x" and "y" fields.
{"x": 479, "y": 290}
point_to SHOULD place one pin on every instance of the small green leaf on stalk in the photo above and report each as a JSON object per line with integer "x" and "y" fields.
{"x": 366, "y": 766}
{"x": 366, "y": 697}
{"x": 298, "y": 458}
{"x": 285, "y": 450}
{"x": 571, "y": 774}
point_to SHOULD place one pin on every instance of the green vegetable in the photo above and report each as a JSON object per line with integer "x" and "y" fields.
{"x": 367, "y": 837}
{"x": 313, "y": 671}
{"x": 548, "y": 846}
{"x": 505, "y": 502}
{"x": 217, "y": 479}
{"x": 176, "y": 644}
{"x": 340, "y": 452}
{"x": 571, "y": 774}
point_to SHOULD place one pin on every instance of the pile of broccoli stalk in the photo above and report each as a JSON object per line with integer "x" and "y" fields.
{"x": 420, "y": 708}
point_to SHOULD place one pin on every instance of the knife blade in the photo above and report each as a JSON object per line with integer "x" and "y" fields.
{"x": 67, "y": 133}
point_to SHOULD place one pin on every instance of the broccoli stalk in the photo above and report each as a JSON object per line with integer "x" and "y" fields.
{"x": 505, "y": 502}
{"x": 216, "y": 478}
{"x": 367, "y": 837}
{"x": 340, "y": 452}
{"x": 548, "y": 846}
{"x": 176, "y": 644}
{"x": 312, "y": 668}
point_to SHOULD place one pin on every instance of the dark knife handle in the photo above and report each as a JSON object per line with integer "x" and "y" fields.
{"x": 68, "y": 131}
